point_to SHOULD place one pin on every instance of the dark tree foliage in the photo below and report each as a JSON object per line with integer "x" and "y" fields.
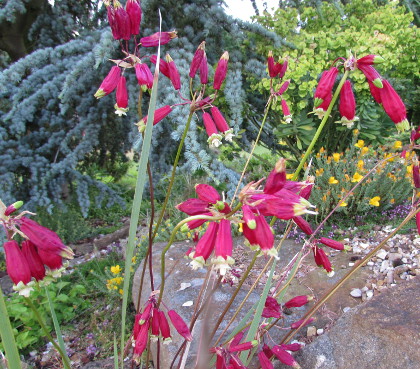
{"x": 53, "y": 131}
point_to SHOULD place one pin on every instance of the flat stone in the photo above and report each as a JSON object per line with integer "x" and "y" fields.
{"x": 382, "y": 333}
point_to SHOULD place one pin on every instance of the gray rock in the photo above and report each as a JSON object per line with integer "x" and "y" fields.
{"x": 382, "y": 333}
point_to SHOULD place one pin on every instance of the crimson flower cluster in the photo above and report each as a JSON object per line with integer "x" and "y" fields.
{"x": 279, "y": 197}
{"x": 381, "y": 90}
{"x": 278, "y": 69}
{"x": 40, "y": 254}
{"x": 153, "y": 321}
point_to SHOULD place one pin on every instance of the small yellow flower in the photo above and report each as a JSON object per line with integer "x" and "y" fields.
{"x": 355, "y": 132}
{"x": 392, "y": 201}
{"x": 121, "y": 291}
{"x": 409, "y": 169}
{"x": 134, "y": 259}
{"x": 374, "y": 201}
{"x": 324, "y": 198}
{"x": 240, "y": 227}
{"x": 397, "y": 145}
{"x": 321, "y": 150}
{"x": 332, "y": 180}
{"x": 360, "y": 144}
{"x": 364, "y": 151}
{"x": 347, "y": 177}
{"x": 343, "y": 204}
{"x": 356, "y": 177}
{"x": 319, "y": 172}
{"x": 116, "y": 269}
{"x": 360, "y": 165}
{"x": 290, "y": 175}
{"x": 389, "y": 157}
{"x": 336, "y": 157}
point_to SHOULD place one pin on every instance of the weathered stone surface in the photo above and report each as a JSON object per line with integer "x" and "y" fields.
{"x": 383, "y": 333}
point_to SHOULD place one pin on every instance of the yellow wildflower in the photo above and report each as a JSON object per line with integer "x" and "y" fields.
{"x": 332, "y": 180}
{"x": 290, "y": 175}
{"x": 360, "y": 165}
{"x": 336, "y": 157}
{"x": 347, "y": 177}
{"x": 116, "y": 269}
{"x": 356, "y": 177}
{"x": 389, "y": 157}
{"x": 360, "y": 144}
{"x": 240, "y": 227}
{"x": 392, "y": 201}
{"x": 329, "y": 160}
{"x": 374, "y": 201}
{"x": 397, "y": 145}
{"x": 409, "y": 169}
{"x": 364, "y": 151}
{"x": 121, "y": 291}
{"x": 355, "y": 132}
{"x": 319, "y": 172}
{"x": 321, "y": 150}
{"x": 134, "y": 259}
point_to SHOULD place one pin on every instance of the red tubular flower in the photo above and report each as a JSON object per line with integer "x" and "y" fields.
{"x": 122, "y": 20}
{"x": 272, "y": 70}
{"x": 249, "y": 217}
{"x": 325, "y": 85}
{"x": 193, "y": 206}
{"x": 220, "y": 360}
{"x": 180, "y": 325}
{"x": 16, "y": 264}
{"x": 291, "y": 347}
{"x": 277, "y": 178}
{"x": 262, "y": 236}
{"x": 145, "y": 315}
{"x": 306, "y": 191}
{"x": 303, "y": 225}
{"x": 415, "y": 135}
{"x": 192, "y": 224}
{"x": 321, "y": 259}
{"x": 243, "y": 346}
{"x": 133, "y": 10}
{"x": 394, "y": 106}
{"x": 109, "y": 83}
{"x": 265, "y": 362}
{"x": 321, "y": 110}
{"x": 160, "y": 114}
{"x": 165, "y": 331}
{"x": 375, "y": 92}
{"x": 371, "y": 74}
{"x": 155, "y": 324}
{"x": 299, "y": 323}
{"x": 144, "y": 75}
{"x": 121, "y": 107}
{"x": 267, "y": 351}
{"x": 137, "y": 326}
{"x": 331, "y": 243}
{"x": 272, "y": 308}
{"x": 141, "y": 342}
{"x": 347, "y": 105}
{"x": 285, "y": 357}
{"x": 221, "y": 70}
{"x": 221, "y": 123}
{"x": 283, "y": 88}
{"x": 52, "y": 261}
{"x": 237, "y": 339}
{"x": 197, "y": 59}
{"x": 12, "y": 208}
{"x": 224, "y": 247}
{"x": 370, "y": 59}
{"x": 282, "y": 68}
{"x": 207, "y": 193}
{"x": 35, "y": 263}
{"x": 416, "y": 175}
{"x": 112, "y": 22}
{"x": 298, "y": 301}
{"x": 163, "y": 65}
{"x": 286, "y": 111}
{"x": 44, "y": 239}
{"x": 173, "y": 73}
{"x": 153, "y": 40}
{"x": 214, "y": 139}
{"x": 236, "y": 363}
{"x": 418, "y": 222}
{"x": 205, "y": 246}
{"x": 204, "y": 70}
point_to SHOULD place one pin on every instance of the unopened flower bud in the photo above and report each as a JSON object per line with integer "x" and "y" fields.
{"x": 109, "y": 83}
{"x": 298, "y": 301}
{"x": 180, "y": 325}
{"x": 160, "y": 114}
{"x": 347, "y": 106}
{"x": 221, "y": 70}
{"x": 204, "y": 70}
{"x": 173, "y": 73}
{"x": 197, "y": 59}
{"x": 133, "y": 10}
{"x": 207, "y": 193}
{"x": 163, "y": 65}
{"x": 370, "y": 59}
{"x": 12, "y": 208}
{"x": 325, "y": 85}
{"x": 144, "y": 75}
{"x": 331, "y": 243}
{"x": 371, "y": 74}
{"x": 286, "y": 111}
{"x": 153, "y": 40}
{"x": 123, "y": 21}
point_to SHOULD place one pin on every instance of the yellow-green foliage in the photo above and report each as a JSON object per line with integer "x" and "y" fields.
{"x": 322, "y": 37}
{"x": 337, "y": 173}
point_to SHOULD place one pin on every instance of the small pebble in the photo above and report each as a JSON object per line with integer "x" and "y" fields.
{"x": 311, "y": 331}
{"x": 346, "y": 309}
{"x": 382, "y": 254}
{"x": 319, "y": 331}
{"x": 356, "y": 292}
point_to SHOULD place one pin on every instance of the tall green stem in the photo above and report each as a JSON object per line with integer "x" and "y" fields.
{"x": 7, "y": 336}
{"x": 321, "y": 126}
{"x": 64, "y": 357}
{"x": 171, "y": 182}
{"x": 267, "y": 109}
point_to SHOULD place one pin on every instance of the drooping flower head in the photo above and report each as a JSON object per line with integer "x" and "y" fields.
{"x": 347, "y": 106}
{"x": 221, "y": 71}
